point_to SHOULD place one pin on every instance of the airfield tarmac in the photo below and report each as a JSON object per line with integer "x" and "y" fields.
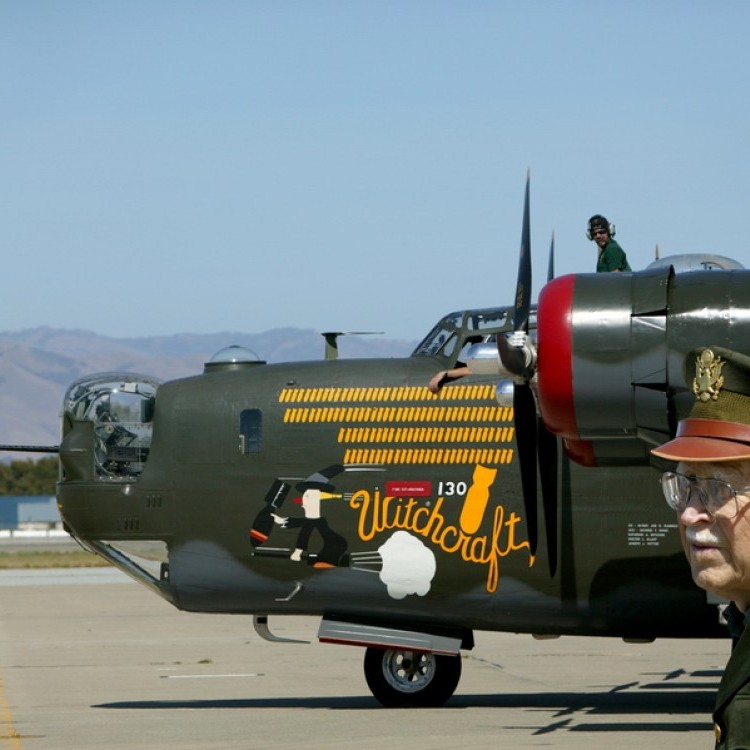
{"x": 89, "y": 659}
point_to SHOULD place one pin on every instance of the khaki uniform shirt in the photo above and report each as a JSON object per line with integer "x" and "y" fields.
{"x": 732, "y": 710}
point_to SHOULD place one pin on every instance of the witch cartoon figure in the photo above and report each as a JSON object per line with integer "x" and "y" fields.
{"x": 316, "y": 488}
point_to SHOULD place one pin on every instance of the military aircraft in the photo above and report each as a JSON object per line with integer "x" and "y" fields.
{"x": 406, "y": 520}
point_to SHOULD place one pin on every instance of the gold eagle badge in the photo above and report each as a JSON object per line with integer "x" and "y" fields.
{"x": 708, "y": 378}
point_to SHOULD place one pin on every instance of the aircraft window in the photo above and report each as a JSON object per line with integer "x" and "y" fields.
{"x": 438, "y": 340}
{"x": 450, "y": 345}
{"x": 488, "y": 319}
{"x": 251, "y": 431}
{"x": 121, "y": 408}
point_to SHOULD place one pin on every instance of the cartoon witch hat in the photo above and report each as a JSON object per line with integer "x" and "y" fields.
{"x": 320, "y": 480}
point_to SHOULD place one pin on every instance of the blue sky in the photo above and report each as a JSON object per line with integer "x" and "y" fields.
{"x": 170, "y": 167}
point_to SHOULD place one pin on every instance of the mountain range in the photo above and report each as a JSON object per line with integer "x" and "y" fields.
{"x": 38, "y": 364}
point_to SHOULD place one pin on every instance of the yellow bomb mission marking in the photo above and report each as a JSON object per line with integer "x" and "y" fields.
{"x": 407, "y": 425}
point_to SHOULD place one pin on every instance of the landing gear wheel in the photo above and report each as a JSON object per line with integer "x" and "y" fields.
{"x": 400, "y": 679}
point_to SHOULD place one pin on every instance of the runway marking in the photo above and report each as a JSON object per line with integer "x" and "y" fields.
{"x": 205, "y": 676}
{"x": 9, "y": 738}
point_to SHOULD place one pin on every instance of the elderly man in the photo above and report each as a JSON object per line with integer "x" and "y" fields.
{"x": 710, "y": 491}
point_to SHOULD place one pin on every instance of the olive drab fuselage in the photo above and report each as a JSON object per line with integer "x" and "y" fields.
{"x": 347, "y": 488}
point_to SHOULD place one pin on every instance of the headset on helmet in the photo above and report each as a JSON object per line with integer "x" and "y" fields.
{"x": 597, "y": 221}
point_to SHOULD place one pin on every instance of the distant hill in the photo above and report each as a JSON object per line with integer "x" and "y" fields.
{"x": 38, "y": 364}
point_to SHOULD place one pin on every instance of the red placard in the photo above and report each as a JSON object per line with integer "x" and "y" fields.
{"x": 409, "y": 489}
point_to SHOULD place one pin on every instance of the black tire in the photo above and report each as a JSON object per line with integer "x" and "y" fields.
{"x": 411, "y": 679}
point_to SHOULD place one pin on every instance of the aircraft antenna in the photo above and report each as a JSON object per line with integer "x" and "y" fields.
{"x": 332, "y": 344}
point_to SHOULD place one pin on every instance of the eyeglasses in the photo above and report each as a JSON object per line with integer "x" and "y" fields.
{"x": 714, "y": 494}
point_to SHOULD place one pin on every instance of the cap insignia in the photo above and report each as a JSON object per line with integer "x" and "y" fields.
{"x": 708, "y": 378}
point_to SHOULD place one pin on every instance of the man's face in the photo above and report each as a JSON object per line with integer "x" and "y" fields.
{"x": 718, "y": 548}
{"x": 601, "y": 237}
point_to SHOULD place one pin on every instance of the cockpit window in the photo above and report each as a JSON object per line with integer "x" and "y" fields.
{"x": 442, "y": 338}
{"x": 456, "y": 332}
{"x": 487, "y": 319}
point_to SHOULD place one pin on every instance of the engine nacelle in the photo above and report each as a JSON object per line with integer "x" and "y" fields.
{"x": 611, "y": 351}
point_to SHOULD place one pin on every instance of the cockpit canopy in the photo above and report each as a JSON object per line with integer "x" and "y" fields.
{"x": 456, "y": 332}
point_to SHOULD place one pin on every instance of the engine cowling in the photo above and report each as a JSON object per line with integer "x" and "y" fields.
{"x": 611, "y": 351}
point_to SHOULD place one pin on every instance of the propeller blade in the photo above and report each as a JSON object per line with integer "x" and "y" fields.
{"x": 535, "y": 443}
{"x": 551, "y": 262}
{"x": 514, "y": 359}
{"x": 525, "y": 419}
{"x": 523, "y": 283}
{"x": 547, "y": 455}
